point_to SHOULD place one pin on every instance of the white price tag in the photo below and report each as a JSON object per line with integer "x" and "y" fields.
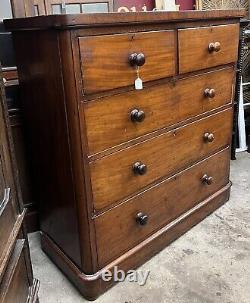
{"x": 138, "y": 83}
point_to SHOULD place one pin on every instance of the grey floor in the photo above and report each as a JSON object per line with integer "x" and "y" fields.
{"x": 209, "y": 264}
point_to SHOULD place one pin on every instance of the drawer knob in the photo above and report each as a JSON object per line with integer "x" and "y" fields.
{"x": 137, "y": 115}
{"x": 214, "y": 47}
{"x": 139, "y": 168}
{"x": 209, "y": 92}
{"x": 207, "y": 180}
{"x": 137, "y": 59}
{"x": 141, "y": 218}
{"x": 208, "y": 137}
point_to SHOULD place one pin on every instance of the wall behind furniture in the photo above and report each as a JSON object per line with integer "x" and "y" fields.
{"x": 5, "y": 9}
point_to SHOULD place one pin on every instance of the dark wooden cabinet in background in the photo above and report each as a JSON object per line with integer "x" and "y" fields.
{"x": 16, "y": 278}
{"x": 12, "y": 91}
{"x": 24, "y": 166}
{"x": 22, "y": 8}
{"x": 120, "y": 172}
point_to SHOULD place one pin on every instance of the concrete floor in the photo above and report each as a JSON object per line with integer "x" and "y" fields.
{"x": 209, "y": 264}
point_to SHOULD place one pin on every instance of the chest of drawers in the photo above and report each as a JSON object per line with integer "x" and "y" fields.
{"x": 122, "y": 172}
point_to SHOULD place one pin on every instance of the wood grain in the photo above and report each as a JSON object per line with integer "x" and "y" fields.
{"x": 108, "y": 67}
{"x": 15, "y": 284}
{"x": 113, "y": 178}
{"x": 54, "y": 184}
{"x": 80, "y": 173}
{"x": 193, "y": 46}
{"x": 16, "y": 276}
{"x": 108, "y": 120}
{"x": 77, "y": 69}
{"x": 10, "y": 244}
{"x": 124, "y": 19}
{"x": 162, "y": 203}
{"x": 7, "y": 223}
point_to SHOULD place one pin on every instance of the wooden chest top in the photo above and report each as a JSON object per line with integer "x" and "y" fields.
{"x": 115, "y": 19}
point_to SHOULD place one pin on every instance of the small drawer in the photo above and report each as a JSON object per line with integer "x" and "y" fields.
{"x": 113, "y": 120}
{"x": 110, "y": 61}
{"x": 14, "y": 287}
{"x": 123, "y": 227}
{"x": 205, "y": 47}
{"x": 122, "y": 173}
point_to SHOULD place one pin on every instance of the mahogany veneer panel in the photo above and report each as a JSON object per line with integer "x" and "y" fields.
{"x": 163, "y": 203}
{"x": 169, "y": 103}
{"x": 113, "y": 178}
{"x": 124, "y": 19}
{"x": 196, "y": 41}
{"x": 108, "y": 67}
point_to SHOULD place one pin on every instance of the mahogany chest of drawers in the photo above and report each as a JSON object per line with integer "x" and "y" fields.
{"x": 121, "y": 172}
{"x": 16, "y": 278}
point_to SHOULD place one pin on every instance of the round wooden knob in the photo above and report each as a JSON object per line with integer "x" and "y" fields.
{"x": 137, "y": 59}
{"x": 209, "y": 92}
{"x": 208, "y": 137}
{"x": 139, "y": 168}
{"x": 137, "y": 115}
{"x": 207, "y": 180}
{"x": 214, "y": 47}
{"x": 141, "y": 218}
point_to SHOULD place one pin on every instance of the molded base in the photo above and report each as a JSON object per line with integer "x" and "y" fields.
{"x": 92, "y": 286}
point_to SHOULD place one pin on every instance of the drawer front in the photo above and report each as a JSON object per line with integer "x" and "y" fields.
{"x": 117, "y": 230}
{"x": 122, "y": 173}
{"x": 105, "y": 59}
{"x": 7, "y": 221}
{"x": 14, "y": 287}
{"x": 206, "y": 47}
{"x": 116, "y": 119}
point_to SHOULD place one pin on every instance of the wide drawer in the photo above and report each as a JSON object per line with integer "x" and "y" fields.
{"x": 105, "y": 59}
{"x": 116, "y": 119}
{"x": 14, "y": 287}
{"x": 206, "y": 47}
{"x": 122, "y": 173}
{"x": 119, "y": 229}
